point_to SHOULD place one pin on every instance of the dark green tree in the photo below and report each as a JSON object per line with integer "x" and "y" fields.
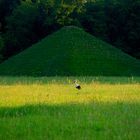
{"x": 93, "y": 19}
{"x": 6, "y": 8}
{"x": 21, "y": 30}
{"x": 1, "y": 47}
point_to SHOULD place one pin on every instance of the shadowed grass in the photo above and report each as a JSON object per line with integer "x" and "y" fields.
{"x": 95, "y": 120}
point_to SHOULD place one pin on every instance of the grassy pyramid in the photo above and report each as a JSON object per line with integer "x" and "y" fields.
{"x": 71, "y": 52}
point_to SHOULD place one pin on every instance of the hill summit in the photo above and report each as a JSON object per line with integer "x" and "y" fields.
{"x": 71, "y": 52}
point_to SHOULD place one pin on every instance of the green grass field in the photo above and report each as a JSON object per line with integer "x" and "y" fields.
{"x": 107, "y": 108}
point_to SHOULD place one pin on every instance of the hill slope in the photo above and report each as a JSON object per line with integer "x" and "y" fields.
{"x": 71, "y": 51}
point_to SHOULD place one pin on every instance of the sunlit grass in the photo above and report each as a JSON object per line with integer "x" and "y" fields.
{"x": 51, "y": 94}
{"x": 55, "y": 110}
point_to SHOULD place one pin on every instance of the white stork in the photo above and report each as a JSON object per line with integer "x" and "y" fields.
{"x": 77, "y": 85}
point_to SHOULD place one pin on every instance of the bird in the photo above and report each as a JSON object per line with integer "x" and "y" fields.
{"x": 77, "y": 86}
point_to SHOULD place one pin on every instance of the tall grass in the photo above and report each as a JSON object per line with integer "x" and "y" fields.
{"x": 52, "y": 109}
{"x": 10, "y": 80}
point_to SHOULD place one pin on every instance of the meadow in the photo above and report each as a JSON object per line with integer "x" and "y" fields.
{"x": 50, "y": 108}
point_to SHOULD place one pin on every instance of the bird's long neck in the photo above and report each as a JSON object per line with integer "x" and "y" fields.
{"x": 76, "y": 84}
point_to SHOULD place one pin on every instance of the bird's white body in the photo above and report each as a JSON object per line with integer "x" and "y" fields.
{"x": 77, "y": 85}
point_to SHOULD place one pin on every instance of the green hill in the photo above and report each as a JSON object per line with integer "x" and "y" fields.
{"x": 69, "y": 52}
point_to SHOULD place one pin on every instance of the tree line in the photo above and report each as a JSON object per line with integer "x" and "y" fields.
{"x": 25, "y": 22}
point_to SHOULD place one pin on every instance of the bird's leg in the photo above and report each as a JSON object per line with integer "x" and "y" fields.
{"x": 77, "y": 93}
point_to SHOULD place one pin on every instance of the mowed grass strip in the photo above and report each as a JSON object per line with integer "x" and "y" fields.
{"x": 58, "y": 111}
